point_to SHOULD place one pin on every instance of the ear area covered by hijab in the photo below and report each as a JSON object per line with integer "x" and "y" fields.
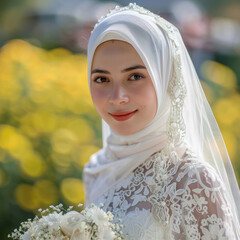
{"x": 183, "y": 117}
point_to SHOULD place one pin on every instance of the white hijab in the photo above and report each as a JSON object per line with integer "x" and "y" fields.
{"x": 183, "y": 117}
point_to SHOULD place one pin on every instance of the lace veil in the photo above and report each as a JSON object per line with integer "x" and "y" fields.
{"x": 183, "y": 118}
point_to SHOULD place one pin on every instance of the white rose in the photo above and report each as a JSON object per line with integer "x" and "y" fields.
{"x": 98, "y": 216}
{"x": 108, "y": 235}
{"x": 83, "y": 235}
{"x": 26, "y": 236}
{"x": 70, "y": 221}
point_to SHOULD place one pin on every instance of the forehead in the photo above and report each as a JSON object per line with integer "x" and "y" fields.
{"x": 115, "y": 49}
{"x": 114, "y": 44}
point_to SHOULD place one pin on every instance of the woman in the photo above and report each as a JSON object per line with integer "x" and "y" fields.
{"x": 163, "y": 169}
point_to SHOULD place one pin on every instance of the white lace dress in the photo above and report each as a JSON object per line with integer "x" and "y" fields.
{"x": 167, "y": 198}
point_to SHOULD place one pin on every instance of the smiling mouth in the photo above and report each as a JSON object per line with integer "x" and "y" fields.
{"x": 122, "y": 116}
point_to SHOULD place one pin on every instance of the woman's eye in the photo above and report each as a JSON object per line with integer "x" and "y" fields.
{"x": 136, "y": 77}
{"x": 100, "y": 80}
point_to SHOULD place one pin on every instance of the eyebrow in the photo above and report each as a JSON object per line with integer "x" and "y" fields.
{"x": 97, "y": 70}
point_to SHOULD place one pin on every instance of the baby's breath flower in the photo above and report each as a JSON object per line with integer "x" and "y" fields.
{"x": 90, "y": 223}
{"x": 69, "y": 208}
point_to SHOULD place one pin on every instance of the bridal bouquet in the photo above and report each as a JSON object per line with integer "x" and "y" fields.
{"x": 56, "y": 223}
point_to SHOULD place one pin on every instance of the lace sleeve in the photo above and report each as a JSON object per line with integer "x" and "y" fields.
{"x": 200, "y": 209}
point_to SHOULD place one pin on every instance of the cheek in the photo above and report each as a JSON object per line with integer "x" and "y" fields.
{"x": 148, "y": 99}
{"x": 98, "y": 98}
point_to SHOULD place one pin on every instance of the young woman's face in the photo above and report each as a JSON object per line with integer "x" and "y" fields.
{"x": 121, "y": 88}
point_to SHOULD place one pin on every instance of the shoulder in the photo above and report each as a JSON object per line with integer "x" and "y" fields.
{"x": 190, "y": 172}
{"x": 195, "y": 171}
{"x": 200, "y": 201}
{"x": 200, "y": 188}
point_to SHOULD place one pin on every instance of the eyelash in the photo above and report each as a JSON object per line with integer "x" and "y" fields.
{"x": 95, "y": 80}
{"x": 138, "y": 75}
{"x": 106, "y": 80}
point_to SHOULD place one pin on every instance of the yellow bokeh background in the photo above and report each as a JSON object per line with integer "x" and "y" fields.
{"x": 222, "y": 91}
{"x": 49, "y": 127}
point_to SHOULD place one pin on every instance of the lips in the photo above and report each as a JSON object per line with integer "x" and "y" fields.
{"x": 122, "y": 116}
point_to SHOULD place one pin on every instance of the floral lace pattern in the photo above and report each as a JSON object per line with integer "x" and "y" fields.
{"x": 166, "y": 197}
{"x": 169, "y": 198}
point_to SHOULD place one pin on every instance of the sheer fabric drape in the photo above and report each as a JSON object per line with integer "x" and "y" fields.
{"x": 198, "y": 193}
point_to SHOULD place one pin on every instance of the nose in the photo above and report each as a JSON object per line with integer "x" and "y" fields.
{"x": 118, "y": 95}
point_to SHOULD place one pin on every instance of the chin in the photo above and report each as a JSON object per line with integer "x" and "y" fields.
{"x": 126, "y": 131}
